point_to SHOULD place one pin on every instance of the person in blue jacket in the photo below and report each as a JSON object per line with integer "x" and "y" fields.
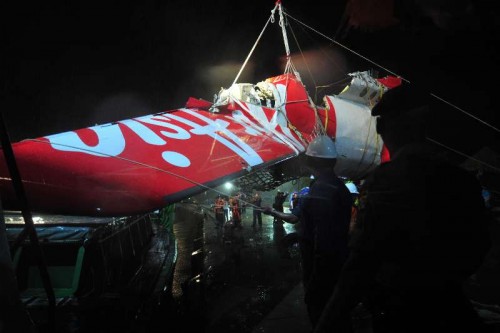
{"x": 324, "y": 215}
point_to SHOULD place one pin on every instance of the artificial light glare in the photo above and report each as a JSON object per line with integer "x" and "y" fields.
{"x": 38, "y": 220}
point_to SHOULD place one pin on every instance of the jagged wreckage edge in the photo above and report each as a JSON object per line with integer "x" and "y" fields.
{"x": 267, "y": 179}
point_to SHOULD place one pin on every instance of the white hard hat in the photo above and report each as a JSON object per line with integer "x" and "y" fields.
{"x": 323, "y": 147}
{"x": 352, "y": 188}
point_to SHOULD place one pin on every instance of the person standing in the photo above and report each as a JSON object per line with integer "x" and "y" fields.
{"x": 243, "y": 203}
{"x": 226, "y": 209}
{"x": 234, "y": 203}
{"x": 325, "y": 216}
{"x": 294, "y": 217}
{"x": 219, "y": 211}
{"x": 421, "y": 232}
{"x": 257, "y": 210}
{"x": 279, "y": 199}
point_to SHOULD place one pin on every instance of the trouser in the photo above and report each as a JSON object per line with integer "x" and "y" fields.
{"x": 321, "y": 283}
{"x": 277, "y": 219}
{"x": 307, "y": 259}
{"x": 219, "y": 218}
{"x": 257, "y": 217}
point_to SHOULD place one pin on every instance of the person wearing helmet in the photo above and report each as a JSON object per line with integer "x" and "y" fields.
{"x": 415, "y": 244}
{"x": 324, "y": 216}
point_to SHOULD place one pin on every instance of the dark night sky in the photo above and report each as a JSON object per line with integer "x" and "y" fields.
{"x": 72, "y": 64}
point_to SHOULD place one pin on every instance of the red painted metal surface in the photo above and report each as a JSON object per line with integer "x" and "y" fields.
{"x": 142, "y": 164}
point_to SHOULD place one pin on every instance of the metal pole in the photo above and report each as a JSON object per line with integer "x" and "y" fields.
{"x": 13, "y": 315}
{"x": 28, "y": 220}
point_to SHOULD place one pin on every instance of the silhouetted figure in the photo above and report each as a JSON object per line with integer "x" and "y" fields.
{"x": 234, "y": 203}
{"x": 279, "y": 199}
{"x": 226, "y": 209}
{"x": 13, "y": 314}
{"x": 325, "y": 217}
{"x": 420, "y": 233}
{"x": 219, "y": 211}
{"x": 294, "y": 202}
{"x": 257, "y": 210}
{"x": 305, "y": 247}
{"x": 243, "y": 203}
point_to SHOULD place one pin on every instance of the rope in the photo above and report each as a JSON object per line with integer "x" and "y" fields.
{"x": 326, "y": 55}
{"x": 467, "y": 113}
{"x": 341, "y": 81}
{"x": 271, "y": 18}
{"x": 462, "y": 154}
{"x": 345, "y": 47}
{"x": 273, "y": 131}
{"x": 318, "y": 127}
{"x": 138, "y": 163}
{"x": 305, "y": 61}
{"x": 389, "y": 71}
{"x": 289, "y": 68}
{"x": 377, "y": 137}
{"x": 131, "y": 161}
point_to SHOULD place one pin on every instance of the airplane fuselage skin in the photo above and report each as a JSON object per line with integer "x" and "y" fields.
{"x": 142, "y": 164}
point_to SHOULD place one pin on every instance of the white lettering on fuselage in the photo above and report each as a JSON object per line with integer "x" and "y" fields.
{"x": 233, "y": 142}
{"x": 111, "y": 140}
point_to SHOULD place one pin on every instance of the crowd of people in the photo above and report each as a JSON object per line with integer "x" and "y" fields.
{"x": 229, "y": 209}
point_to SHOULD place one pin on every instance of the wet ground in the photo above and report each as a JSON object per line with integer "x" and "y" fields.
{"x": 247, "y": 280}
{"x": 250, "y": 280}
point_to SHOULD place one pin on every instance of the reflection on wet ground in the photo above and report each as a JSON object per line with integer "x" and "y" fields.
{"x": 250, "y": 278}
{"x": 247, "y": 273}
{"x": 254, "y": 274}
{"x": 243, "y": 280}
